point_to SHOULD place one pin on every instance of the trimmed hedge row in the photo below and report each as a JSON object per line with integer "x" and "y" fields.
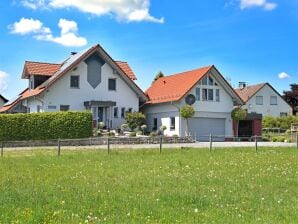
{"x": 44, "y": 126}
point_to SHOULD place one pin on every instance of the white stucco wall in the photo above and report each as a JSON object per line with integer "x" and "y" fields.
{"x": 267, "y": 109}
{"x": 1, "y": 102}
{"x": 60, "y": 93}
{"x": 208, "y": 109}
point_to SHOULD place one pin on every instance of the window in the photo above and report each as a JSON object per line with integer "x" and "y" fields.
{"x": 123, "y": 112}
{"x": 129, "y": 110}
{"x": 210, "y": 94}
{"x": 204, "y": 94}
{"x": 74, "y": 81}
{"x": 204, "y": 80}
{"x": 217, "y": 98}
{"x": 28, "y": 109}
{"x": 115, "y": 111}
{"x": 259, "y": 100}
{"x": 198, "y": 94}
{"x": 52, "y": 107}
{"x": 154, "y": 124}
{"x": 39, "y": 108}
{"x": 64, "y": 107}
{"x": 112, "y": 84}
{"x": 172, "y": 125}
{"x": 31, "y": 84}
{"x": 283, "y": 114}
{"x": 273, "y": 100}
{"x": 210, "y": 81}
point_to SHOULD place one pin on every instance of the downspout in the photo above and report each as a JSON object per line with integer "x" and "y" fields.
{"x": 178, "y": 108}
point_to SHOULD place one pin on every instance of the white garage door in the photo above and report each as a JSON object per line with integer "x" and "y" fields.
{"x": 203, "y": 127}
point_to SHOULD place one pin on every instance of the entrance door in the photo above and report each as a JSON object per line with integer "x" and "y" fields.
{"x": 245, "y": 128}
{"x": 100, "y": 114}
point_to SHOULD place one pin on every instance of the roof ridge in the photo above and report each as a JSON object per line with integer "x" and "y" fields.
{"x": 180, "y": 73}
{"x": 40, "y": 62}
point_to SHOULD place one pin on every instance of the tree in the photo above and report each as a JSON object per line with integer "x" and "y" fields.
{"x": 187, "y": 112}
{"x": 237, "y": 115}
{"x": 159, "y": 75}
{"x": 134, "y": 120}
{"x": 292, "y": 97}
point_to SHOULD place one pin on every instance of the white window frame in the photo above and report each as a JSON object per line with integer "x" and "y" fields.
{"x": 274, "y": 103}
{"x": 261, "y": 102}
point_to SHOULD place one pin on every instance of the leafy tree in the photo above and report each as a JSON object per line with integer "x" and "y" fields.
{"x": 292, "y": 97}
{"x": 159, "y": 75}
{"x": 237, "y": 115}
{"x": 134, "y": 120}
{"x": 187, "y": 112}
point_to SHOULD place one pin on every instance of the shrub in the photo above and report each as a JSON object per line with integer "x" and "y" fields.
{"x": 153, "y": 134}
{"x": 279, "y": 122}
{"x": 44, "y": 126}
{"x": 134, "y": 120}
{"x": 132, "y": 134}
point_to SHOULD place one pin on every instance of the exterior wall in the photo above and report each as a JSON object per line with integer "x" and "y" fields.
{"x": 60, "y": 93}
{"x": 208, "y": 109}
{"x": 1, "y": 102}
{"x": 267, "y": 109}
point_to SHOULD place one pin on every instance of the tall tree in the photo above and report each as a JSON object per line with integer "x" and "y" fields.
{"x": 292, "y": 97}
{"x": 159, "y": 75}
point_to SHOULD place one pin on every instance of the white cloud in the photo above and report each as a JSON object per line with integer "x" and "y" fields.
{"x": 124, "y": 10}
{"x": 257, "y": 3}
{"x": 68, "y": 36}
{"x": 3, "y": 81}
{"x": 27, "y": 26}
{"x": 283, "y": 75}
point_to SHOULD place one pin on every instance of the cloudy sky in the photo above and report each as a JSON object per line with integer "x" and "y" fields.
{"x": 247, "y": 40}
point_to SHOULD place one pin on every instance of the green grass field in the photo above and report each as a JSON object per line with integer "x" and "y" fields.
{"x": 142, "y": 186}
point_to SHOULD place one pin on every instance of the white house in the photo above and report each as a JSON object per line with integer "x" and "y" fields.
{"x": 206, "y": 90}
{"x": 89, "y": 80}
{"x": 263, "y": 99}
{"x": 2, "y": 101}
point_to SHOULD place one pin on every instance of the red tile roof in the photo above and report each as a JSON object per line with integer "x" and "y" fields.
{"x": 40, "y": 68}
{"x": 126, "y": 69}
{"x": 249, "y": 91}
{"x": 174, "y": 87}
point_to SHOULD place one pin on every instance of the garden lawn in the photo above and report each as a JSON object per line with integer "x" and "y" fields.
{"x": 143, "y": 186}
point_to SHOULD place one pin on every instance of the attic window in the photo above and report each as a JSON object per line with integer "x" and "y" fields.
{"x": 74, "y": 81}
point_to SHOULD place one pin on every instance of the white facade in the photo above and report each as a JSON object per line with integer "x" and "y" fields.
{"x": 268, "y": 102}
{"x": 1, "y": 102}
{"x": 204, "y": 109}
{"x": 60, "y": 93}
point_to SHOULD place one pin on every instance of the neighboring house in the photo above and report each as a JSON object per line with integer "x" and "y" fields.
{"x": 2, "y": 101}
{"x": 213, "y": 100}
{"x": 263, "y": 99}
{"x": 89, "y": 80}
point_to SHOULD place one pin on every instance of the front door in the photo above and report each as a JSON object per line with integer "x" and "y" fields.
{"x": 100, "y": 114}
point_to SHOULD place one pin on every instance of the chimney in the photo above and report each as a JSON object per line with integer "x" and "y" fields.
{"x": 73, "y": 53}
{"x": 242, "y": 85}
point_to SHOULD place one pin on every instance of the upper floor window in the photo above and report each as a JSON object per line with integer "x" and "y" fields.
{"x": 217, "y": 95}
{"x": 273, "y": 100}
{"x": 259, "y": 100}
{"x": 112, "y": 84}
{"x": 198, "y": 94}
{"x": 74, "y": 81}
{"x": 208, "y": 80}
{"x": 207, "y": 95}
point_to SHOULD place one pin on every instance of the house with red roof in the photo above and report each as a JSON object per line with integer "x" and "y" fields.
{"x": 3, "y": 100}
{"x": 263, "y": 99}
{"x": 206, "y": 90}
{"x": 88, "y": 80}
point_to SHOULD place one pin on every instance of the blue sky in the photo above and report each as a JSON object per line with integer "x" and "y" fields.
{"x": 247, "y": 40}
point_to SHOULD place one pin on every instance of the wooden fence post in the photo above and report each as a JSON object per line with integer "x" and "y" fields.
{"x": 2, "y": 146}
{"x": 59, "y": 146}
{"x": 256, "y": 143}
{"x": 160, "y": 144}
{"x": 108, "y": 146}
{"x": 210, "y": 141}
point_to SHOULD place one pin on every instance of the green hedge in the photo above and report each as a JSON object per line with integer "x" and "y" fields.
{"x": 279, "y": 122}
{"x": 45, "y": 126}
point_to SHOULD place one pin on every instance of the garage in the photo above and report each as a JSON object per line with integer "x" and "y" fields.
{"x": 203, "y": 127}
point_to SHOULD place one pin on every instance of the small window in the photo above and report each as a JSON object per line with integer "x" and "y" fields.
{"x": 198, "y": 94}
{"x": 205, "y": 80}
{"x": 64, "y": 107}
{"x": 172, "y": 125}
{"x": 39, "y": 108}
{"x": 52, "y": 107}
{"x": 115, "y": 111}
{"x": 130, "y": 110}
{"x": 74, "y": 81}
{"x": 259, "y": 100}
{"x": 210, "y": 81}
{"x": 112, "y": 84}
{"x": 273, "y": 100}
{"x": 204, "y": 94}
{"x": 154, "y": 124}
{"x": 123, "y": 112}
{"x": 217, "y": 97}
{"x": 283, "y": 114}
{"x": 210, "y": 94}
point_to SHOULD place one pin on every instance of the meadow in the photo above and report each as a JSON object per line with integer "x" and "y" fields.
{"x": 143, "y": 186}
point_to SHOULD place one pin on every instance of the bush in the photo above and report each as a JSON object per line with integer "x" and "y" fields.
{"x": 132, "y": 134}
{"x": 153, "y": 134}
{"x": 279, "y": 122}
{"x": 45, "y": 126}
{"x": 134, "y": 120}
